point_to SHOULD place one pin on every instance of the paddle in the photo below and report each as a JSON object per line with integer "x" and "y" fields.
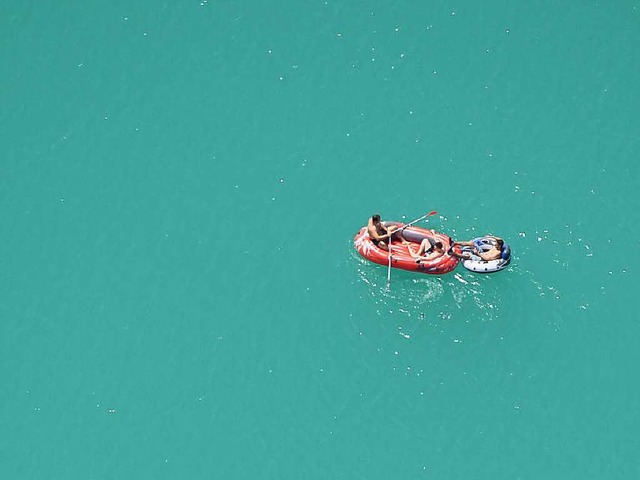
{"x": 407, "y": 225}
{"x": 420, "y": 218}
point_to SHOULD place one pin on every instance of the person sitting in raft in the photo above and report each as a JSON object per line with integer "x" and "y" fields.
{"x": 495, "y": 253}
{"x": 379, "y": 233}
{"x": 428, "y": 250}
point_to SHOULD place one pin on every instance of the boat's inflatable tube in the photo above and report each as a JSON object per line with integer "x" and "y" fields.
{"x": 400, "y": 257}
{"x": 477, "y": 264}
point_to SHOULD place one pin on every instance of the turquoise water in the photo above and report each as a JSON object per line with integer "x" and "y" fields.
{"x": 180, "y": 185}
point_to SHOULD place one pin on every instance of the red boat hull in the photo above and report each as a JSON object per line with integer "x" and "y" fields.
{"x": 400, "y": 257}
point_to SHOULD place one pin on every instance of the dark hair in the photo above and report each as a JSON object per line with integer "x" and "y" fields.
{"x": 499, "y": 243}
{"x": 438, "y": 244}
{"x": 375, "y": 217}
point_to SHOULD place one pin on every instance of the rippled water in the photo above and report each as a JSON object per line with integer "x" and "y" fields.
{"x": 180, "y": 186}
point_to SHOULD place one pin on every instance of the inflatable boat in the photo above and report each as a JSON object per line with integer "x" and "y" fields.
{"x": 400, "y": 256}
{"x": 476, "y": 263}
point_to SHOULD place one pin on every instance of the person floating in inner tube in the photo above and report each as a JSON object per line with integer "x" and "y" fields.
{"x": 428, "y": 250}
{"x": 379, "y": 233}
{"x": 494, "y": 253}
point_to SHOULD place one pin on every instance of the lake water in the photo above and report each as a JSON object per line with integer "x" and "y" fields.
{"x": 180, "y": 184}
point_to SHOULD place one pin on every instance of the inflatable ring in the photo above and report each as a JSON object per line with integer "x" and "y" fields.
{"x": 477, "y": 264}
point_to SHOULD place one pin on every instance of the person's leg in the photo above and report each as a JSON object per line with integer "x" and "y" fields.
{"x": 463, "y": 255}
{"x": 424, "y": 246}
{"x": 466, "y": 244}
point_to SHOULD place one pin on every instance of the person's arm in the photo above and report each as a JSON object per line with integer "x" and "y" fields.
{"x": 387, "y": 234}
{"x": 464, "y": 244}
{"x": 392, "y": 230}
{"x": 371, "y": 229}
{"x": 373, "y": 233}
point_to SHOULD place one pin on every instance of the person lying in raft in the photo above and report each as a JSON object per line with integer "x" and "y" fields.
{"x": 379, "y": 233}
{"x": 428, "y": 250}
{"x": 495, "y": 253}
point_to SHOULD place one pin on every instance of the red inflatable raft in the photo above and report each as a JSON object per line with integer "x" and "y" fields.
{"x": 400, "y": 257}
